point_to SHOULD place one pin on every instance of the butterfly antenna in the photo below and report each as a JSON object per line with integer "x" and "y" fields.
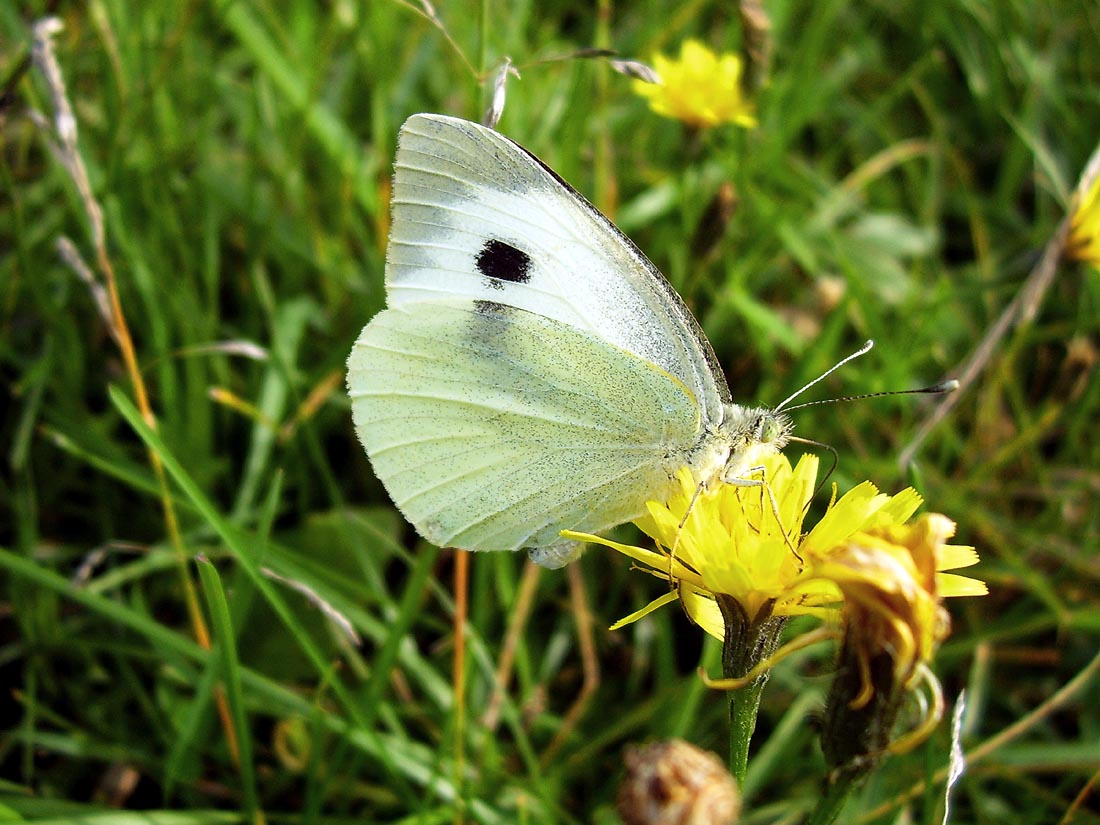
{"x": 943, "y": 386}
{"x": 861, "y": 351}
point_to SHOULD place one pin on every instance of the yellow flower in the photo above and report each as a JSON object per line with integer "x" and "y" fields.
{"x": 738, "y": 561}
{"x": 730, "y": 543}
{"x": 701, "y": 89}
{"x": 1083, "y": 243}
{"x": 746, "y": 542}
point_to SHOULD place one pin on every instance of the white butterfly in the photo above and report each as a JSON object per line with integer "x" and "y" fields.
{"x": 533, "y": 371}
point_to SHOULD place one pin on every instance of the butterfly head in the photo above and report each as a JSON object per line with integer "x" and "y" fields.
{"x": 746, "y": 435}
{"x": 763, "y": 432}
{"x": 770, "y": 428}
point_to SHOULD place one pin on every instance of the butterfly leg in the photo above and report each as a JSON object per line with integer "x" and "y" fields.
{"x": 762, "y": 483}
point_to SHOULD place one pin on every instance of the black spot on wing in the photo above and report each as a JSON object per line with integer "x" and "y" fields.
{"x": 499, "y": 261}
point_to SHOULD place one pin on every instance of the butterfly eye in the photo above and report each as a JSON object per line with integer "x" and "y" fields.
{"x": 768, "y": 428}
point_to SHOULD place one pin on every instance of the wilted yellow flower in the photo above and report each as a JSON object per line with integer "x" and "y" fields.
{"x": 892, "y": 622}
{"x": 701, "y": 88}
{"x": 1083, "y": 243}
{"x": 892, "y": 594}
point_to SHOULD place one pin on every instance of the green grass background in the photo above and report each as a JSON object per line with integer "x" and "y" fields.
{"x": 911, "y": 162}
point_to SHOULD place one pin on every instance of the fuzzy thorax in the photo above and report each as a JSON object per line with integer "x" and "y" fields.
{"x": 736, "y": 446}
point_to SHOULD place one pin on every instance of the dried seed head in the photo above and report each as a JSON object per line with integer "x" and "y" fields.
{"x": 676, "y": 783}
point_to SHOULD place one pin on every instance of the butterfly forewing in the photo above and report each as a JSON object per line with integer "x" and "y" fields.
{"x": 475, "y": 215}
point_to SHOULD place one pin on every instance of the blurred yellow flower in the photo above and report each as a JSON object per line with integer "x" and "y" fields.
{"x": 1083, "y": 243}
{"x": 701, "y": 88}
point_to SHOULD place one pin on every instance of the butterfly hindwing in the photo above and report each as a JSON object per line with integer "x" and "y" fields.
{"x": 493, "y": 428}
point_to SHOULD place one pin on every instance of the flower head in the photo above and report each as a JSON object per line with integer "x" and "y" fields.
{"x": 739, "y": 561}
{"x": 700, "y": 88}
{"x": 745, "y": 541}
{"x": 676, "y": 782}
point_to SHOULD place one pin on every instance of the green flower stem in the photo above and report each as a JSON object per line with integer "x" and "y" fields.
{"x": 747, "y": 643}
{"x": 744, "y": 705}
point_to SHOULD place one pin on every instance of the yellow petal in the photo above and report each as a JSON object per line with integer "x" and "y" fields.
{"x": 950, "y": 585}
{"x": 704, "y": 611}
{"x": 953, "y": 557}
{"x": 661, "y": 601}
